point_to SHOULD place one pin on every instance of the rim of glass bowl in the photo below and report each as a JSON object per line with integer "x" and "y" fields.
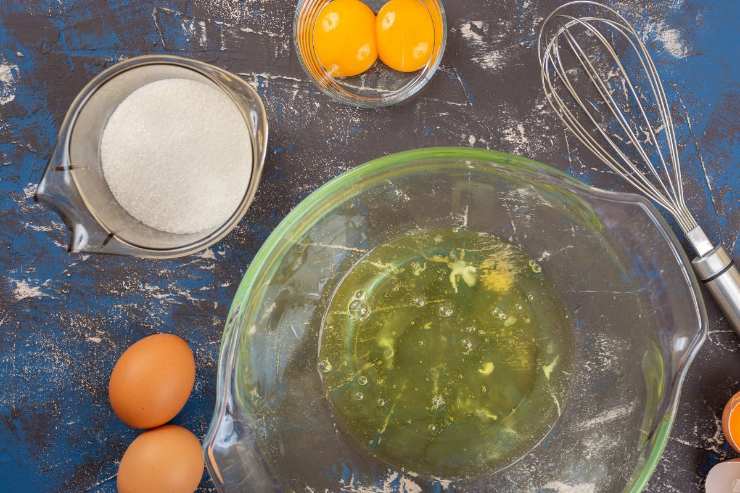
{"x": 297, "y": 218}
{"x": 202, "y": 68}
{"x": 407, "y": 91}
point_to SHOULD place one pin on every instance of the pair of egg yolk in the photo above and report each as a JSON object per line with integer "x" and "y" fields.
{"x": 349, "y": 37}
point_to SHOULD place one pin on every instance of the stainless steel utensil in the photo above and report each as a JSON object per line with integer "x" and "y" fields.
{"x": 620, "y": 112}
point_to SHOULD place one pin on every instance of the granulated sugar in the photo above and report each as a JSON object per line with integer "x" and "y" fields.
{"x": 177, "y": 156}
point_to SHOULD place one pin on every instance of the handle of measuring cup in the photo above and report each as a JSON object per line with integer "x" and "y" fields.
{"x": 721, "y": 277}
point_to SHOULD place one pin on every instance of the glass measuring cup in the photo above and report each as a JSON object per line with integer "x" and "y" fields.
{"x": 73, "y": 183}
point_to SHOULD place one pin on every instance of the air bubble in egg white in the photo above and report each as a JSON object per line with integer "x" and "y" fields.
{"x": 498, "y": 313}
{"x": 358, "y": 310}
{"x": 467, "y": 346}
{"x": 445, "y": 310}
{"x": 419, "y": 301}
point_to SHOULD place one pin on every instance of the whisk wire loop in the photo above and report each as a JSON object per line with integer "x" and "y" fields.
{"x": 655, "y": 172}
{"x": 630, "y": 130}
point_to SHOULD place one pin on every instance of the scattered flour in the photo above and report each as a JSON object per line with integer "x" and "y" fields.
{"x": 394, "y": 481}
{"x": 673, "y": 42}
{"x": 203, "y": 34}
{"x": 559, "y": 487}
{"x": 490, "y": 60}
{"x": 609, "y": 415}
{"x": 670, "y": 38}
{"x": 406, "y": 485}
{"x": 207, "y": 254}
{"x": 469, "y": 32}
{"x": 233, "y": 11}
{"x": 24, "y": 290}
{"x": 9, "y": 75}
{"x": 516, "y": 136}
{"x": 484, "y": 54}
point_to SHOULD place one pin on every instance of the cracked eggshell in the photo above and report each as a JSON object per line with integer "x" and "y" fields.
{"x": 724, "y": 477}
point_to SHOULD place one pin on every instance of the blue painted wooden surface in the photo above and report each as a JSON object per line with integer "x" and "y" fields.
{"x": 64, "y": 319}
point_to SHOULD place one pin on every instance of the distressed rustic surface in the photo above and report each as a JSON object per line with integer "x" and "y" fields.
{"x": 64, "y": 318}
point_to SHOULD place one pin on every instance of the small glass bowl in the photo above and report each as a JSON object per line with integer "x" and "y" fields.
{"x": 74, "y": 184}
{"x": 379, "y": 86}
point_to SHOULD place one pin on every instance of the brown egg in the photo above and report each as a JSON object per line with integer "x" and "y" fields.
{"x": 167, "y": 460}
{"x": 152, "y": 380}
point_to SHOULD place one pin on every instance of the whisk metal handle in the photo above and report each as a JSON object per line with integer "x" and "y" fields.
{"x": 721, "y": 277}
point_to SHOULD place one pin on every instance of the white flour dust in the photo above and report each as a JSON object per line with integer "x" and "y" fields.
{"x": 613, "y": 414}
{"x": 23, "y": 290}
{"x": 657, "y": 28}
{"x": 673, "y": 42}
{"x": 232, "y": 11}
{"x": 476, "y": 34}
{"x": 560, "y": 487}
{"x": 9, "y": 75}
{"x": 470, "y": 32}
{"x": 393, "y": 479}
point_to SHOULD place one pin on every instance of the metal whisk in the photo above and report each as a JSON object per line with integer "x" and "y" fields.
{"x": 617, "y": 107}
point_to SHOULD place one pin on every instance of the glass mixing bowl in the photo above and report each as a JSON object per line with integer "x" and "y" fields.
{"x": 635, "y": 307}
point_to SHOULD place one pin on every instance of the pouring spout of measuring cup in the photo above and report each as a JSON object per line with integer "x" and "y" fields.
{"x": 57, "y": 191}
{"x": 718, "y": 273}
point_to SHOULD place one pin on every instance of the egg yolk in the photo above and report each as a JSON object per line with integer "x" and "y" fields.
{"x": 405, "y": 35}
{"x": 733, "y": 431}
{"x": 344, "y": 38}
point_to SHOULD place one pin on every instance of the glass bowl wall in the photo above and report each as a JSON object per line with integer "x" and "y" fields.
{"x": 636, "y": 312}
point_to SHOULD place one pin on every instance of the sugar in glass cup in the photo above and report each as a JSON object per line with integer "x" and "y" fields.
{"x": 380, "y": 85}
{"x": 75, "y": 186}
